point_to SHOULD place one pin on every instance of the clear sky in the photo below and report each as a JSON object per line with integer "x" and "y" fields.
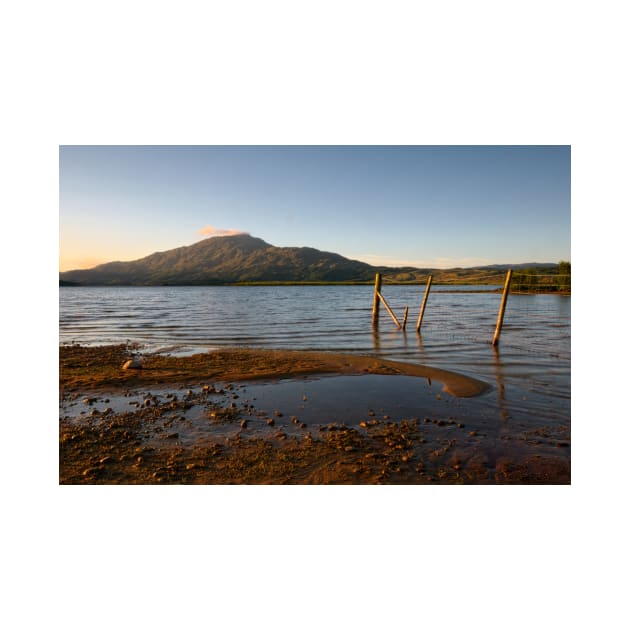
{"x": 441, "y": 206}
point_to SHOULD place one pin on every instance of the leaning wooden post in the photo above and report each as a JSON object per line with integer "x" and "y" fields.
{"x": 424, "y": 303}
{"x": 377, "y": 301}
{"x": 506, "y": 290}
{"x": 405, "y": 317}
{"x": 389, "y": 310}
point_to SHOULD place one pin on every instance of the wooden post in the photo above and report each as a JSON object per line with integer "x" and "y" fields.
{"x": 389, "y": 310}
{"x": 424, "y": 303}
{"x": 377, "y": 290}
{"x": 506, "y": 290}
{"x": 405, "y": 317}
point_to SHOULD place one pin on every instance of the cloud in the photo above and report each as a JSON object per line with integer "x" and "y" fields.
{"x": 209, "y": 230}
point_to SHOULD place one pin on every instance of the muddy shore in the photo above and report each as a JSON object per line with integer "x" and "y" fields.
{"x": 150, "y": 441}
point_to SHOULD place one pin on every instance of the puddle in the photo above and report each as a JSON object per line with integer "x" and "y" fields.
{"x": 290, "y": 406}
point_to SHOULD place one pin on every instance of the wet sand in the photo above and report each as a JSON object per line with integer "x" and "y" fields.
{"x": 155, "y": 440}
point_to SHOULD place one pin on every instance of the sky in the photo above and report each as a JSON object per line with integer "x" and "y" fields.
{"x": 424, "y": 206}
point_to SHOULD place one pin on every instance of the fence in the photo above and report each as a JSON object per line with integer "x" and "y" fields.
{"x": 513, "y": 283}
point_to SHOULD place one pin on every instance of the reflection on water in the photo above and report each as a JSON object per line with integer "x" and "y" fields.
{"x": 498, "y": 369}
{"x": 530, "y": 370}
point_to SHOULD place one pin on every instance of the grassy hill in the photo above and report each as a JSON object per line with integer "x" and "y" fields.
{"x": 244, "y": 259}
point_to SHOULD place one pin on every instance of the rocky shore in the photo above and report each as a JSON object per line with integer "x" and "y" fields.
{"x": 112, "y": 431}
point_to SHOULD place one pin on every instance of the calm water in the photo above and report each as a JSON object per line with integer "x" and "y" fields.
{"x": 529, "y": 372}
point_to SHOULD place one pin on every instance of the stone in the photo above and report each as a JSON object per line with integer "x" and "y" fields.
{"x": 132, "y": 364}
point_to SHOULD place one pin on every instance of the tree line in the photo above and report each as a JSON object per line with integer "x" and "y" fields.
{"x": 536, "y": 280}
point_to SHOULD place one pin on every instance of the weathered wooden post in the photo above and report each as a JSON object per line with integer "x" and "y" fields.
{"x": 405, "y": 317}
{"x": 377, "y": 300}
{"x": 389, "y": 310}
{"x": 506, "y": 290}
{"x": 424, "y": 303}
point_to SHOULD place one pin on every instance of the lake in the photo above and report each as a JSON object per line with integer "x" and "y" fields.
{"x": 529, "y": 372}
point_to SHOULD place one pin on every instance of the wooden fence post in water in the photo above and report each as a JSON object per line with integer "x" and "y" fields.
{"x": 506, "y": 290}
{"x": 405, "y": 317}
{"x": 424, "y": 303}
{"x": 389, "y": 310}
{"x": 377, "y": 291}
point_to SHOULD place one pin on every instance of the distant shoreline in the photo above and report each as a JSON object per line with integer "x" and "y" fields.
{"x": 325, "y": 284}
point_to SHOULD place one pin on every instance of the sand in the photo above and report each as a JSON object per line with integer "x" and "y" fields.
{"x": 145, "y": 445}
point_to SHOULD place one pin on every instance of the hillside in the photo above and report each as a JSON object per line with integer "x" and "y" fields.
{"x": 245, "y": 259}
{"x": 226, "y": 260}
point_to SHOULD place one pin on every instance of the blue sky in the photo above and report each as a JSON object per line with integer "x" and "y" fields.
{"x": 440, "y": 206}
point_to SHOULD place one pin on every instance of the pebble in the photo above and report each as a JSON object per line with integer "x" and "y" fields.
{"x": 270, "y": 422}
{"x": 132, "y": 364}
{"x": 243, "y": 424}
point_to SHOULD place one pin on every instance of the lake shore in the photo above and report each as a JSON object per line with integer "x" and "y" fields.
{"x": 146, "y": 445}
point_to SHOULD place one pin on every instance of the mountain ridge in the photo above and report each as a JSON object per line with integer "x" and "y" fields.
{"x": 243, "y": 259}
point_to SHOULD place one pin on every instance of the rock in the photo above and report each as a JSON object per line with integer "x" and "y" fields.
{"x": 243, "y": 424}
{"x": 132, "y": 364}
{"x": 270, "y": 422}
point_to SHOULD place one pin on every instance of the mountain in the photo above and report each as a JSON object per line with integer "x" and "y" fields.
{"x": 226, "y": 260}
{"x": 246, "y": 259}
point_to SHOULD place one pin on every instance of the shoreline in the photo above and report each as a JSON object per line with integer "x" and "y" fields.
{"x": 241, "y": 444}
{"x": 99, "y": 367}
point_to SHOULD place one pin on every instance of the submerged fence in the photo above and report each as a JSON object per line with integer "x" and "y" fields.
{"x": 513, "y": 283}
